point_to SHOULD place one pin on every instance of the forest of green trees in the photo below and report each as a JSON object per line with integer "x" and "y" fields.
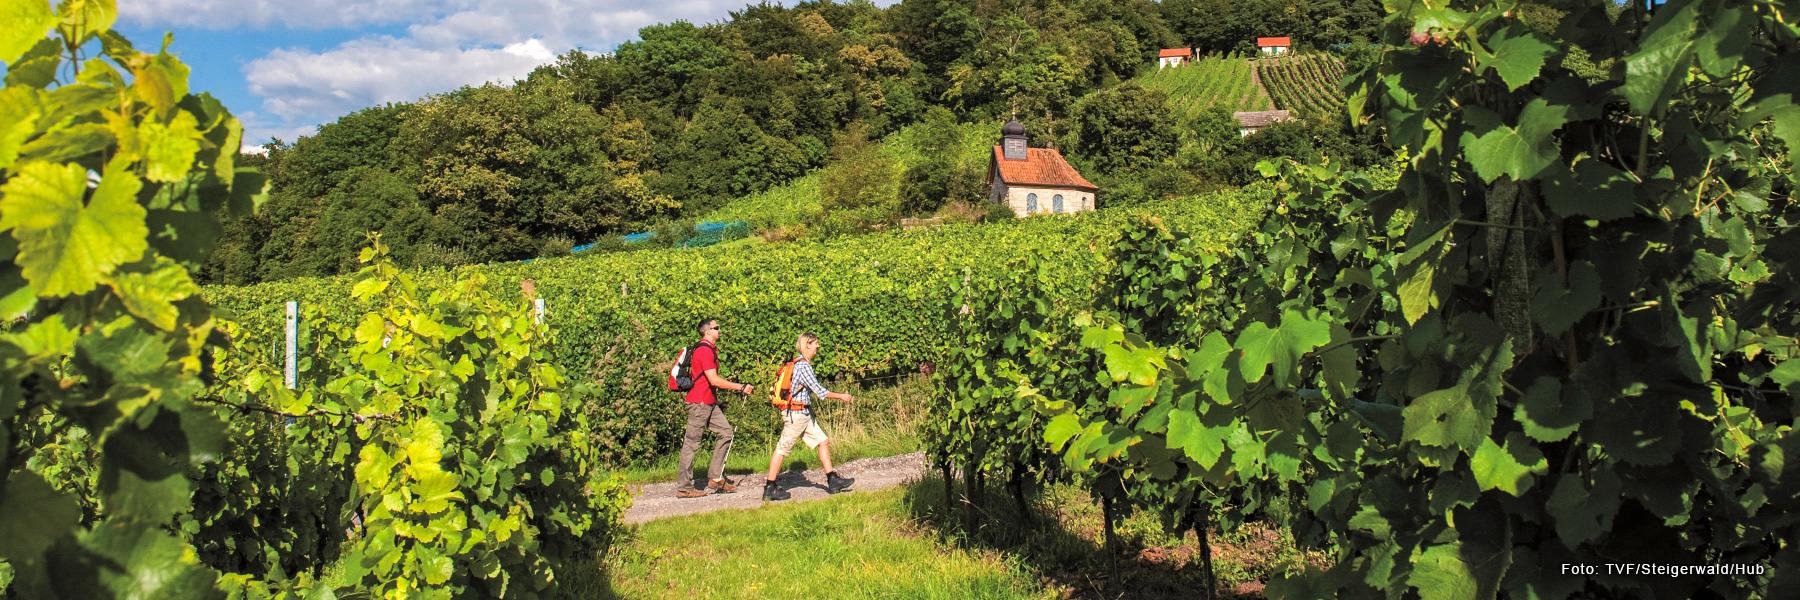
{"x": 673, "y": 125}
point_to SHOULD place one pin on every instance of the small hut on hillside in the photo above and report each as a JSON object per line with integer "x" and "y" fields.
{"x": 1035, "y": 180}
{"x": 1273, "y": 46}
{"x": 1251, "y": 122}
{"x": 1173, "y": 57}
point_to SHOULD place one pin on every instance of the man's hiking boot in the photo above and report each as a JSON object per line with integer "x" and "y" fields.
{"x": 690, "y": 493}
{"x": 722, "y": 486}
{"x": 773, "y": 492}
{"x": 835, "y": 483}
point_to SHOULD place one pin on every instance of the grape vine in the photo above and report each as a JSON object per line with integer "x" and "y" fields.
{"x": 1566, "y": 336}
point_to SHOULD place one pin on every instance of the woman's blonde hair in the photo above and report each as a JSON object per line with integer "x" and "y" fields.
{"x": 804, "y": 338}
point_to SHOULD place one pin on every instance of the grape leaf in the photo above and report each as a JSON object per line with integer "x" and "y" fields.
{"x": 152, "y": 295}
{"x": 1594, "y": 189}
{"x": 1062, "y": 428}
{"x": 83, "y": 19}
{"x": 65, "y": 247}
{"x": 424, "y": 448}
{"x": 1204, "y": 445}
{"x": 1495, "y": 149}
{"x": 435, "y": 491}
{"x": 1341, "y": 376}
{"x": 1660, "y": 63}
{"x": 1445, "y": 418}
{"x": 1510, "y": 469}
{"x": 1581, "y": 513}
{"x": 1519, "y": 53}
{"x": 19, "y": 111}
{"x": 1547, "y": 414}
{"x": 1555, "y": 307}
{"x": 27, "y": 21}
{"x": 1283, "y": 346}
{"x": 1441, "y": 574}
{"x": 32, "y": 515}
{"x": 169, "y": 149}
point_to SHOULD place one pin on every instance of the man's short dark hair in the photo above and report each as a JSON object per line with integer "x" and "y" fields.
{"x": 700, "y": 328}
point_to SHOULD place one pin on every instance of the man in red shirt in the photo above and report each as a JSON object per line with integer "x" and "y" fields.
{"x": 704, "y": 413}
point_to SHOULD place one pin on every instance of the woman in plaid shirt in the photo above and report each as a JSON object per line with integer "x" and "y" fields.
{"x": 797, "y": 422}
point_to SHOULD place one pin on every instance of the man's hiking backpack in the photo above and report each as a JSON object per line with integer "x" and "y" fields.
{"x": 781, "y": 393}
{"x": 681, "y": 377}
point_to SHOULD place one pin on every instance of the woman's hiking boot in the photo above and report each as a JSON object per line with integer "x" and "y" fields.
{"x": 722, "y": 486}
{"x": 835, "y": 483}
{"x": 772, "y": 492}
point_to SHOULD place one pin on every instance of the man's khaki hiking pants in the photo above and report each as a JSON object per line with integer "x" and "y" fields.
{"x": 701, "y": 418}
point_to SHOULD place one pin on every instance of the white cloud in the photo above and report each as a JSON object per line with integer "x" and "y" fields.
{"x": 300, "y": 85}
{"x": 294, "y": 14}
{"x": 447, "y": 44}
{"x": 533, "y": 49}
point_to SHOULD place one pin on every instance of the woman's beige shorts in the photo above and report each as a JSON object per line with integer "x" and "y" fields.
{"x": 795, "y": 426}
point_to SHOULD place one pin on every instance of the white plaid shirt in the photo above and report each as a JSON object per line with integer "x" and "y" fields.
{"x": 806, "y": 384}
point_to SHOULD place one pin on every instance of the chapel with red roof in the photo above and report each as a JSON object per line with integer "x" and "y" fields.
{"x": 1035, "y": 181}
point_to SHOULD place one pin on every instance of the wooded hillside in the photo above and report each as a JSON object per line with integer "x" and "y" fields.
{"x": 675, "y": 124}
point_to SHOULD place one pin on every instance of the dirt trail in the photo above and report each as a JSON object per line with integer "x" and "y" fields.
{"x": 657, "y": 500}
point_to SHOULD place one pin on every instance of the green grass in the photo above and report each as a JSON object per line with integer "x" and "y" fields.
{"x": 863, "y": 545}
{"x": 1211, "y": 81}
{"x": 882, "y": 422}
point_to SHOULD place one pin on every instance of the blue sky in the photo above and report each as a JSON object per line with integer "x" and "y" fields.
{"x": 286, "y": 67}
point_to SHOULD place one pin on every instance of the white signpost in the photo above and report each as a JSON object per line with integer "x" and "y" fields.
{"x": 292, "y": 370}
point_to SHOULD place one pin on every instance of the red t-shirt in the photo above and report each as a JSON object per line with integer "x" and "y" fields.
{"x": 706, "y": 358}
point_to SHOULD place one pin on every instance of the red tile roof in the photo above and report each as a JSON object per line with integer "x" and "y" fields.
{"x": 1175, "y": 52}
{"x": 1041, "y": 167}
{"x": 1261, "y": 118}
{"x": 1271, "y": 41}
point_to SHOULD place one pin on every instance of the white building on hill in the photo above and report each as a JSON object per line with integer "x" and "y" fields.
{"x": 1035, "y": 180}
{"x": 1173, "y": 57}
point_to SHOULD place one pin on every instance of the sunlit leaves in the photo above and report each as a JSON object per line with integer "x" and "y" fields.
{"x": 1446, "y": 418}
{"x": 65, "y": 245}
{"x": 1511, "y": 469}
{"x": 169, "y": 148}
{"x": 26, "y": 22}
{"x": 1440, "y": 573}
{"x": 1524, "y": 151}
{"x": 19, "y": 111}
{"x": 1282, "y": 346}
{"x": 46, "y": 339}
{"x": 152, "y": 295}
{"x": 83, "y": 19}
{"x": 1660, "y": 63}
{"x": 435, "y": 490}
{"x": 161, "y": 82}
{"x": 1203, "y": 444}
{"x": 1519, "y": 54}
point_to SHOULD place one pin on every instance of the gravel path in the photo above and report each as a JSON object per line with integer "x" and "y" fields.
{"x": 657, "y": 500}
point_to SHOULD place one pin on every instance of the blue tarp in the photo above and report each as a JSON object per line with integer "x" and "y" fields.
{"x": 704, "y": 235}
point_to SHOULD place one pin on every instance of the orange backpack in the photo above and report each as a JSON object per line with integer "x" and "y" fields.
{"x": 782, "y": 391}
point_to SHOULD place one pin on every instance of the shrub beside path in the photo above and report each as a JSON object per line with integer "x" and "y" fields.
{"x": 654, "y": 501}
